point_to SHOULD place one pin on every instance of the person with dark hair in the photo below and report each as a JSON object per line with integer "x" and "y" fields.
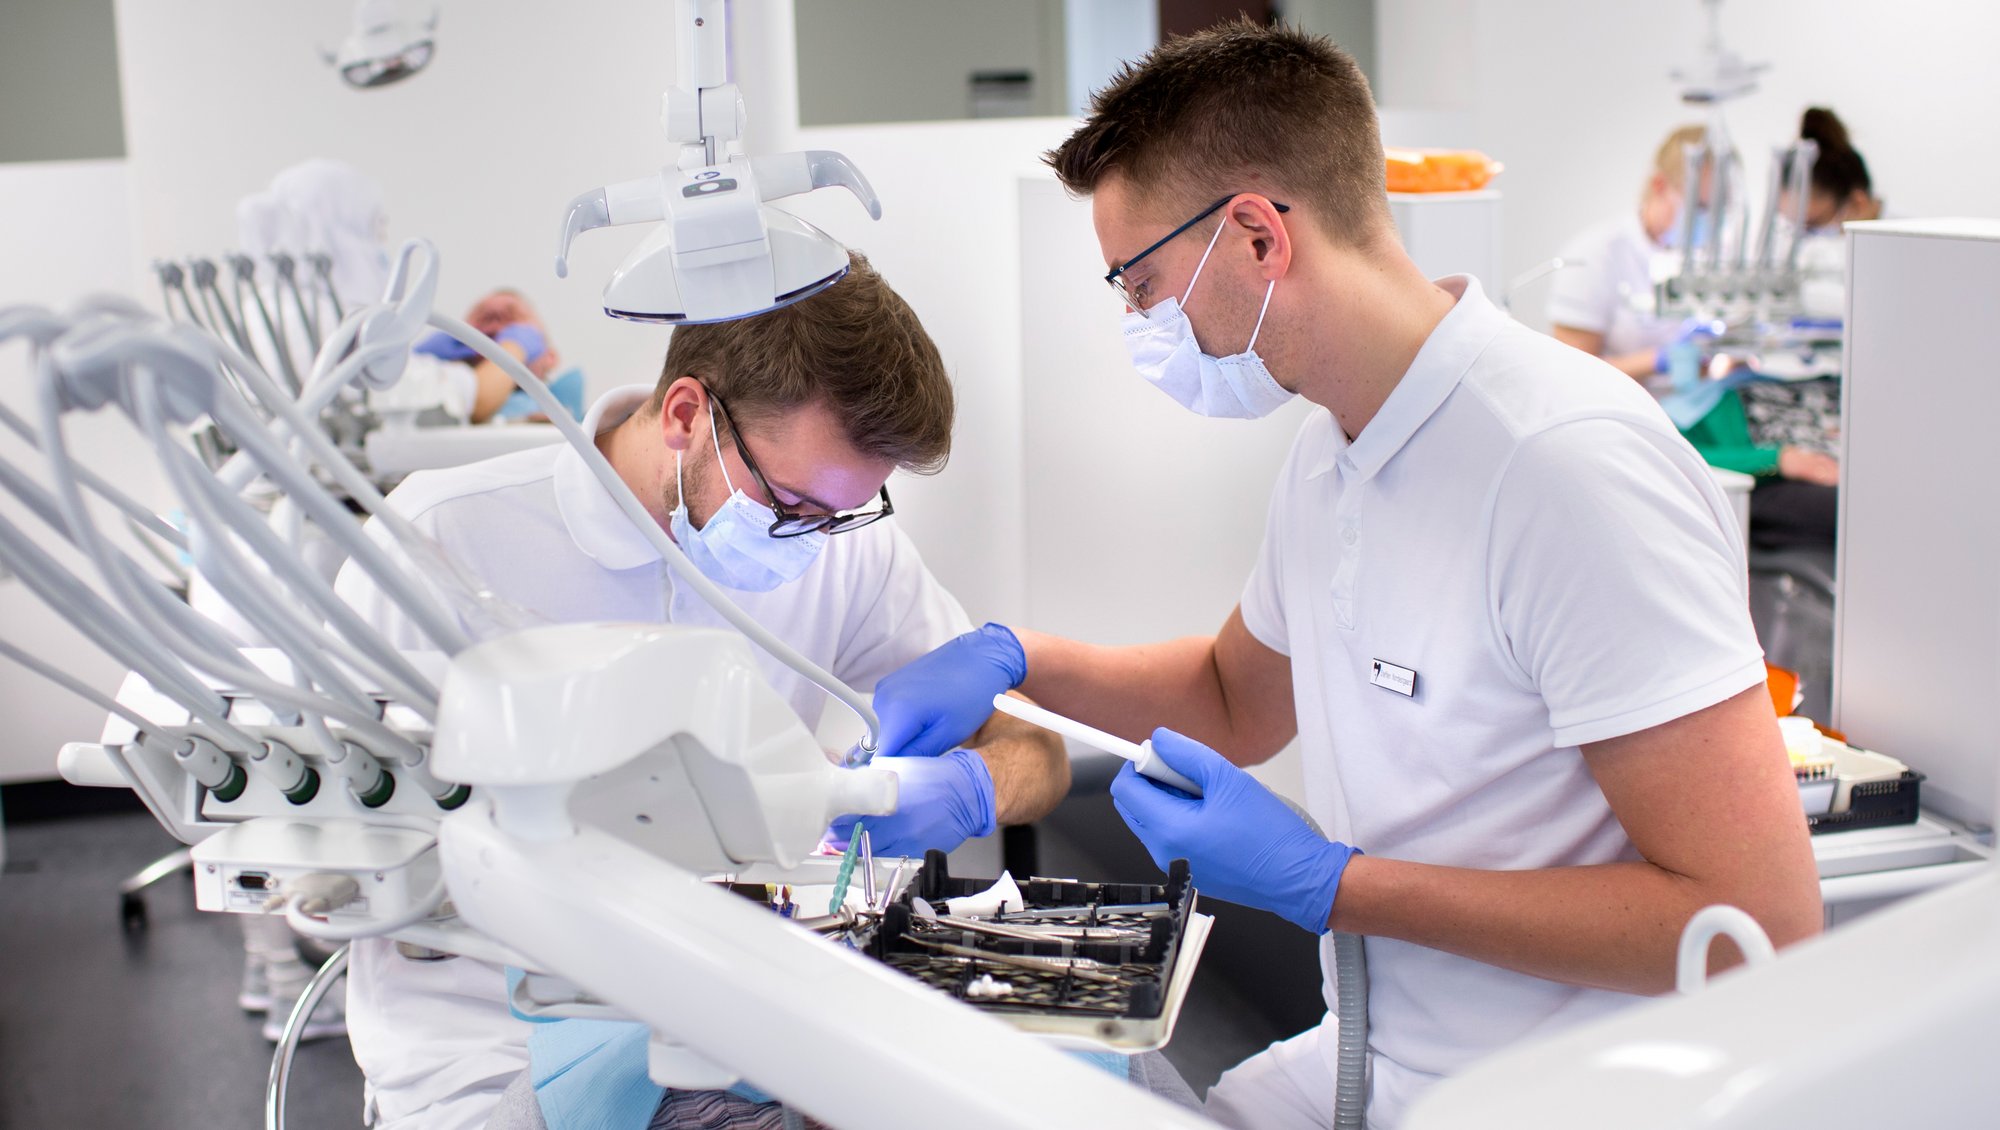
{"x": 1787, "y": 433}
{"x": 1841, "y": 187}
{"x": 1500, "y": 603}
{"x": 764, "y": 450}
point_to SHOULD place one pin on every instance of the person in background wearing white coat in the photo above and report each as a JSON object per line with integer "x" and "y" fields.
{"x": 1601, "y": 300}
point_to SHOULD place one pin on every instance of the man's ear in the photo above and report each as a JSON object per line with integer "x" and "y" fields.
{"x": 683, "y": 405}
{"x": 1270, "y": 240}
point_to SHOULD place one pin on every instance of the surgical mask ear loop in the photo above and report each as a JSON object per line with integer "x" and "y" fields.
{"x": 1206, "y": 252}
{"x": 680, "y": 489}
{"x": 1259, "y": 327}
{"x": 715, "y": 437}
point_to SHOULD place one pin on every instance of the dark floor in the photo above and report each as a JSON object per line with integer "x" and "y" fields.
{"x": 104, "y": 1028}
{"x": 101, "y": 1028}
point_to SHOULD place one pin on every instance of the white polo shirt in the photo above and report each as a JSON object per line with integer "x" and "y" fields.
{"x": 436, "y": 1040}
{"x": 1522, "y": 527}
{"x": 1610, "y": 289}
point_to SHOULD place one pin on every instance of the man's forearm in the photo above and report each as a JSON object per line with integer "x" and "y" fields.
{"x": 1128, "y": 691}
{"x": 1609, "y": 926}
{"x": 1029, "y": 767}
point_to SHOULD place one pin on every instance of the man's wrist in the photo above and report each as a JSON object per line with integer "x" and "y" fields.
{"x": 1319, "y": 916}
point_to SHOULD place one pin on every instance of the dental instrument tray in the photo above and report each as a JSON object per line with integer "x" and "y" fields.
{"x": 1089, "y": 966}
{"x": 1098, "y": 965}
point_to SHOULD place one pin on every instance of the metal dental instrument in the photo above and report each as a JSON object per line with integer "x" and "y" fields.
{"x": 1148, "y": 909}
{"x": 889, "y": 892}
{"x": 1074, "y": 966}
{"x": 1040, "y": 933}
{"x": 867, "y": 868}
{"x": 1141, "y": 755}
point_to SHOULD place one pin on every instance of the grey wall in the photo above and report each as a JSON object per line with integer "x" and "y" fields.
{"x": 1350, "y": 23}
{"x": 909, "y": 60}
{"x": 59, "y": 81}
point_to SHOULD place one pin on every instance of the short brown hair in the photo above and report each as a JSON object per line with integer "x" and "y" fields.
{"x": 856, "y": 346}
{"x": 1241, "y": 107}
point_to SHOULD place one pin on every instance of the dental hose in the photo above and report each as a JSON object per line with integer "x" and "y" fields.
{"x": 1350, "y": 981}
{"x": 1350, "y": 1080}
{"x": 683, "y": 570}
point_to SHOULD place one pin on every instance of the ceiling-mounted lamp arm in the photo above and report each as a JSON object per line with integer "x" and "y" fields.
{"x": 790, "y": 174}
{"x": 703, "y": 112}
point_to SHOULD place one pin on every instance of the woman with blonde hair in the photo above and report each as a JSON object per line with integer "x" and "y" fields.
{"x": 1603, "y": 304}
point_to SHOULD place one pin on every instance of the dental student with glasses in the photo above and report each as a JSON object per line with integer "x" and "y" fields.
{"x": 764, "y": 450}
{"x": 1500, "y": 604}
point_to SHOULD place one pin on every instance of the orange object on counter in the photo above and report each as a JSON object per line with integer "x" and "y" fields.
{"x": 1440, "y": 170}
{"x": 1784, "y": 688}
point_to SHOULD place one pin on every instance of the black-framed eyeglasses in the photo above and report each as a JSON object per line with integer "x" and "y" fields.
{"x": 1115, "y": 278}
{"x": 790, "y": 524}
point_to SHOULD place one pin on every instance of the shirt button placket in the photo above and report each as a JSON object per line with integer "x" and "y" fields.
{"x": 1350, "y": 556}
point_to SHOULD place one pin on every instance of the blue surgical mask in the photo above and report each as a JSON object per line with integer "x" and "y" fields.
{"x": 1162, "y": 346}
{"x": 734, "y": 548}
{"x": 1671, "y": 238}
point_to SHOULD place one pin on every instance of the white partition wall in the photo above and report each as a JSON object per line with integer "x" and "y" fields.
{"x": 1917, "y": 651}
{"x": 1142, "y": 519}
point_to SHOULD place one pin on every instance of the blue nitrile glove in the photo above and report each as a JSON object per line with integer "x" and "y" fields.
{"x": 445, "y": 347}
{"x": 1243, "y": 844}
{"x": 1681, "y": 357}
{"x": 940, "y": 803}
{"x": 530, "y": 339}
{"x": 937, "y": 701}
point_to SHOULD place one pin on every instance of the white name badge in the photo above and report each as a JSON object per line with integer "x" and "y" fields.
{"x": 1402, "y": 680}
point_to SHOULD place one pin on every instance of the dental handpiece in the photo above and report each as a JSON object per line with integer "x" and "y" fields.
{"x": 1141, "y": 754}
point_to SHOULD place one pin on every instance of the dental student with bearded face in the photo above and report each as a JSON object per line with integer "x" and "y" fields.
{"x": 764, "y": 450}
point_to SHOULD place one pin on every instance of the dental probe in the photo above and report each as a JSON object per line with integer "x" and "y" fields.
{"x": 1141, "y": 755}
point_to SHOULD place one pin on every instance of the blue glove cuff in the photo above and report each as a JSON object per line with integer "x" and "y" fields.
{"x": 530, "y": 339}
{"x": 1317, "y": 907}
{"x": 1662, "y": 360}
{"x": 978, "y": 815}
{"x": 1003, "y": 647}
{"x": 445, "y": 347}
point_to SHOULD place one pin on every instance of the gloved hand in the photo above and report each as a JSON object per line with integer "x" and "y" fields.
{"x": 531, "y": 340}
{"x": 936, "y": 701}
{"x": 1683, "y": 356}
{"x": 941, "y": 802}
{"x": 445, "y": 347}
{"x": 1243, "y": 844}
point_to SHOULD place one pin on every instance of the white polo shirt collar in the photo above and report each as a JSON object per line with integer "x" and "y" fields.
{"x": 596, "y": 524}
{"x": 1439, "y": 366}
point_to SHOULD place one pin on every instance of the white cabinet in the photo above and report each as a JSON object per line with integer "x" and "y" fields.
{"x": 1917, "y": 637}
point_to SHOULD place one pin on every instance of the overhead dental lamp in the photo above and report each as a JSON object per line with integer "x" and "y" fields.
{"x": 1719, "y": 75}
{"x": 722, "y": 252}
{"x": 388, "y": 43}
